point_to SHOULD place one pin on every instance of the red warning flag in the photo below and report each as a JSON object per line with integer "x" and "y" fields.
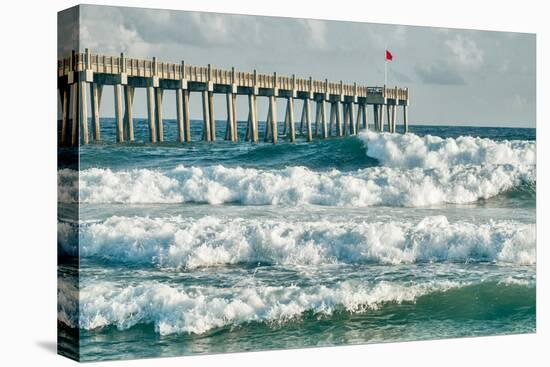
{"x": 389, "y": 56}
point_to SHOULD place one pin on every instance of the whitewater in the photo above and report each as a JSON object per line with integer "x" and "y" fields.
{"x": 232, "y": 247}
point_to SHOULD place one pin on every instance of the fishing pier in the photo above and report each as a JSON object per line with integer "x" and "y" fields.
{"x": 83, "y": 75}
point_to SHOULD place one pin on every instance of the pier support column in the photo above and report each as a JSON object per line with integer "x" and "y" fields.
{"x": 65, "y": 103}
{"x": 234, "y": 111}
{"x": 212, "y": 118}
{"x": 405, "y": 120}
{"x": 96, "y": 91}
{"x": 205, "y": 116}
{"x": 230, "y": 126}
{"x": 180, "y": 115}
{"x": 286, "y": 128}
{"x": 324, "y": 129}
{"x": 83, "y": 105}
{"x": 129, "y": 114}
{"x": 248, "y": 133}
{"x": 252, "y": 121}
{"x": 317, "y": 117}
{"x": 345, "y": 113}
{"x": 290, "y": 114}
{"x": 271, "y": 121}
{"x": 339, "y": 128}
{"x": 118, "y": 113}
{"x": 307, "y": 111}
{"x": 151, "y": 114}
{"x": 332, "y": 118}
{"x": 352, "y": 124}
{"x": 381, "y": 119}
{"x": 158, "y": 112}
{"x": 365, "y": 117}
{"x": 74, "y": 111}
{"x": 303, "y": 117}
{"x": 394, "y": 118}
{"x": 186, "y": 117}
{"x": 359, "y": 117}
{"x": 267, "y": 134}
{"x": 388, "y": 119}
{"x": 376, "y": 115}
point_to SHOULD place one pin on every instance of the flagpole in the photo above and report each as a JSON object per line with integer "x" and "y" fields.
{"x": 385, "y": 71}
{"x": 385, "y": 65}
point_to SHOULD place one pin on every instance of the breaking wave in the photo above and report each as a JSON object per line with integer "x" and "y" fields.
{"x": 411, "y": 151}
{"x": 187, "y": 243}
{"x": 196, "y": 310}
{"x": 299, "y": 185}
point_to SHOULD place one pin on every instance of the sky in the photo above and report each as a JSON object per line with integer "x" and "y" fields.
{"x": 455, "y": 76}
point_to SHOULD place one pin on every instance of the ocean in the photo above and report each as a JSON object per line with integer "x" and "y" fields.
{"x": 211, "y": 248}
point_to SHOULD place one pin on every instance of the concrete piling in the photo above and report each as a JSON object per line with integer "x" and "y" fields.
{"x": 158, "y": 114}
{"x": 96, "y": 91}
{"x": 128, "y": 114}
{"x": 151, "y": 114}
{"x": 83, "y": 105}
{"x": 65, "y": 103}
{"x": 205, "y": 116}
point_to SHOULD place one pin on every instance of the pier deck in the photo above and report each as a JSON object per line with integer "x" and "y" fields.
{"x": 81, "y": 73}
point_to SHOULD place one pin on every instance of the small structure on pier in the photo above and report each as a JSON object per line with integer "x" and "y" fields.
{"x": 81, "y": 73}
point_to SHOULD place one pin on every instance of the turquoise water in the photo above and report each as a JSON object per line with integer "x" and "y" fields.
{"x": 210, "y": 248}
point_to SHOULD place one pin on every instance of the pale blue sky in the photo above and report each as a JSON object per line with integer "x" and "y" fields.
{"x": 454, "y": 76}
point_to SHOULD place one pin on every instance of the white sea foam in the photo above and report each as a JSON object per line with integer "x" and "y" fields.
{"x": 187, "y": 243}
{"x": 410, "y": 151}
{"x": 67, "y": 300}
{"x": 174, "y": 309}
{"x": 299, "y": 185}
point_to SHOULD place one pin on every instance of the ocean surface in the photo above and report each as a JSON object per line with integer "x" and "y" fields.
{"x": 210, "y": 248}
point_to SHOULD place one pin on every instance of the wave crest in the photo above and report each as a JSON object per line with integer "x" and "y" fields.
{"x": 199, "y": 309}
{"x": 410, "y": 150}
{"x": 299, "y": 185}
{"x": 188, "y": 243}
